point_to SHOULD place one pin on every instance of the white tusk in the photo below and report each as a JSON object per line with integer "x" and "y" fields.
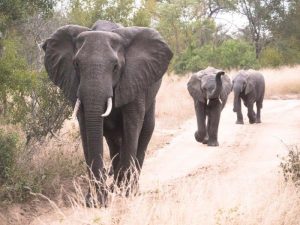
{"x": 109, "y": 107}
{"x": 76, "y": 108}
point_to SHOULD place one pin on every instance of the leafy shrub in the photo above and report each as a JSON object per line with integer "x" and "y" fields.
{"x": 28, "y": 97}
{"x": 8, "y": 151}
{"x": 39, "y": 170}
{"x": 291, "y": 165}
{"x": 46, "y": 111}
{"x": 235, "y": 54}
{"x": 230, "y": 54}
{"x": 270, "y": 57}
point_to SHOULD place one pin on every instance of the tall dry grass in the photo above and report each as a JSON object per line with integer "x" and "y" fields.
{"x": 173, "y": 106}
{"x": 174, "y": 204}
{"x": 186, "y": 202}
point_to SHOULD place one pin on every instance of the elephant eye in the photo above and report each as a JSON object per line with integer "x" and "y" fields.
{"x": 115, "y": 68}
{"x": 75, "y": 63}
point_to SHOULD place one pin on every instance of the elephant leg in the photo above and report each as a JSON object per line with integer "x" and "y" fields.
{"x": 133, "y": 119}
{"x": 237, "y": 107}
{"x": 114, "y": 141}
{"x": 251, "y": 113}
{"x": 145, "y": 135}
{"x": 214, "y": 112}
{"x": 258, "y": 108}
{"x": 200, "y": 109}
{"x": 83, "y": 134}
{"x": 240, "y": 119}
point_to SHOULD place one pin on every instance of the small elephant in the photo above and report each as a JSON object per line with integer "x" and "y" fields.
{"x": 210, "y": 89}
{"x": 248, "y": 85}
{"x": 111, "y": 74}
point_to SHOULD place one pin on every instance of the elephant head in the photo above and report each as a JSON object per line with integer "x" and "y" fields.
{"x": 207, "y": 85}
{"x": 102, "y": 68}
{"x": 243, "y": 84}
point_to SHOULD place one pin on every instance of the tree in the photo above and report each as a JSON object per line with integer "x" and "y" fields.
{"x": 286, "y": 31}
{"x": 256, "y": 13}
{"x": 125, "y": 12}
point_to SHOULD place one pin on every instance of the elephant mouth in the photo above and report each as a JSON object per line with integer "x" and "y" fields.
{"x": 105, "y": 114}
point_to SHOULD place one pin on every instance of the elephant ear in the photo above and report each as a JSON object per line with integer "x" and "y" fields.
{"x": 194, "y": 87}
{"x": 226, "y": 87}
{"x": 147, "y": 57}
{"x": 249, "y": 85}
{"x": 59, "y": 52}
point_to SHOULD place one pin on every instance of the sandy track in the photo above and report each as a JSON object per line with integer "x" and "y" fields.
{"x": 244, "y": 147}
{"x": 243, "y": 172}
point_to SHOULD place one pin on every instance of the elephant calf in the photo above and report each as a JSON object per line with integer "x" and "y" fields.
{"x": 210, "y": 92}
{"x": 248, "y": 85}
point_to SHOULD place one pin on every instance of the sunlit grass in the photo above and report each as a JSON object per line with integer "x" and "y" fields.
{"x": 59, "y": 161}
{"x": 188, "y": 201}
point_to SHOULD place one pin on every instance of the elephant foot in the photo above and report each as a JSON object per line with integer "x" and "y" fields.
{"x": 133, "y": 190}
{"x": 258, "y": 121}
{"x": 111, "y": 171}
{"x": 212, "y": 143}
{"x": 239, "y": 122}
{"x": 199, "y": 137}
{"x": 205, "y": 140}
{"x": 252, "y": 121}
{"x": 252, "y": 118}
{"x": 101, "y": 200}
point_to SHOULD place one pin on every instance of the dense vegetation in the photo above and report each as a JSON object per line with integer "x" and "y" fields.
{"x": 30, "y": 102}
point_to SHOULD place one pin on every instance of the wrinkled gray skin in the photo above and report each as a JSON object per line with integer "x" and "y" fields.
{"x": 210, "y": 89}
{"x": 126, "y": 63}
{"x": 248, "y": 85}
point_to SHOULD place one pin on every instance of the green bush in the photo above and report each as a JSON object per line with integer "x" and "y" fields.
{"x": 235, "y": 54}
{"x": 291, "y": 165}
{"x": 8, "y": 151}
{"x": 230, "y": 54}
{"x": 24, "y": 170}
{"x": 28, "y": 97}
{"x": 270, "y": 57}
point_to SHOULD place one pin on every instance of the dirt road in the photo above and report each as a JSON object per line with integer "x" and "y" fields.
{"x": 241, "y": 175}
{"x": 248, "y": 150}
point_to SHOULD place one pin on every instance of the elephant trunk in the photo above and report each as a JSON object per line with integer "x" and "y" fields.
{"x": 97, "y": 103}
{"x": 94, "y": 133}
{"x": 236, "y": 102}
{"x": 217, "y": 90}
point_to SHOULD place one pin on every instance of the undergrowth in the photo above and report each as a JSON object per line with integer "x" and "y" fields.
{"x": 40, "y": 169}
{"x": 291, "y": 165}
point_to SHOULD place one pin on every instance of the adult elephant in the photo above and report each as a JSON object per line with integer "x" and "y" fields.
{"x": 113, "y": 74}
{"x": 210, "y": 89}
{"x": 248, "y": 85}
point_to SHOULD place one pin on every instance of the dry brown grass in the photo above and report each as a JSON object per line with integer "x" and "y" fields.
{"x": 187, "y": 202}
{"x": 174, "y": 105}
{"x": 283, "y": 82}
{"x": 178, "y": 203}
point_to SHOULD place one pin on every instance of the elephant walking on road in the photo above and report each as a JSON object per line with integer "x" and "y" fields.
{"x": 113, "y": 74}
{"x": 210, "y": 89}
{"x": 248, "y": 85}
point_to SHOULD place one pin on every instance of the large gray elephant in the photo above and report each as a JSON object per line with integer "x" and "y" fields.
{"x": 210, "y": 89}
{"x": 248, "y": 85}
{"x": 111, "y": 74}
